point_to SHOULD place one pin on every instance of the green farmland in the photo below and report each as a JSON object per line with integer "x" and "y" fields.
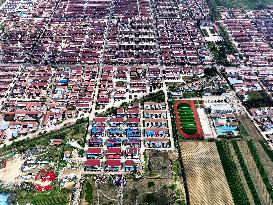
{"x": 243, "y": 4}
{"x": 186, "y": 117}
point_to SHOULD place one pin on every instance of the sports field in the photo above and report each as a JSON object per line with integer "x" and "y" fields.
{"x": 187, "y": 119}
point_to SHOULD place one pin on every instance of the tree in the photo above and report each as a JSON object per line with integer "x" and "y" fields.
{"x": 89, "y": 193}
{"x": 150, "y": 198}
{"x": 151, "y": 184}
{"x": 210, "y": 72}
{"x": 134, "y": 194}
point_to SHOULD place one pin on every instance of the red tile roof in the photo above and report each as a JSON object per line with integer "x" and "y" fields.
{"x": 94, "y": 150}
{"x": 113, "y": 163}
{"x": 100, "y": 119}
{"x": 129, "y": 163}
{"x": 92, "y": 162}
{"x": 113, "y": 150}
{"x": 136, "y": 120}
{"x": 133, "y": 111}
{"x": 117, "y": 119}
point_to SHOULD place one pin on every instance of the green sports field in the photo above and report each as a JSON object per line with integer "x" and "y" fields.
{"x": 186, "y": 117}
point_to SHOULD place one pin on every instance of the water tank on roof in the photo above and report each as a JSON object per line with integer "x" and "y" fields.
{"x": 21, "y": 14}
{"x": 64, "y": 81}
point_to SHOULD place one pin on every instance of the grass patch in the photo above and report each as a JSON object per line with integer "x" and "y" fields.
{"x": 55, "y": 196}
{"x": 242, "y": 129}
{"x": 241, "y": 4}
{"x": 221, "y": 49}
{"x": 258, "y": 99}
{"x": 205, "y": 32}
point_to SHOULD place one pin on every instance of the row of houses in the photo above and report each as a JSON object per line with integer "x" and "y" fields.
{"x": 266, "y": 78}
{"x": 199, "y": 10}
{"x": 117, "y": 142}
{"x": 7, "y": 78}
{"x": 251, "y": 33}
{"x": 155, "y": 126}
{"x": 182, "y": 9}
{"x": 123, "y": 83}
{"x": 180, "y": 42}
{"x": 22, "y": 30}
{"x": 17, "y": 5}
{"x": 36, "y": 97}
{"x": 68, "y": 32}
{"x": 255, "y": 84}
{"x": 244, "y": 81}
{"x": 261, "y": 19}
{"x": 263, "y": 117}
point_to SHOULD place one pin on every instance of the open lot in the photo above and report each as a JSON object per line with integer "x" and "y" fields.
{"x": 160, "y": 186}
{"x": 35, "y": 151}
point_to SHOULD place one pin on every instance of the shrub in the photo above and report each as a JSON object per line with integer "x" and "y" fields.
{"x": 150, "y": 184}
{"x": 150, "y": 198}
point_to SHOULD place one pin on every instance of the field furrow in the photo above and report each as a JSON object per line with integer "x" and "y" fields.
{"x": 261, "y": 188}
{"x": 204, "y": 174}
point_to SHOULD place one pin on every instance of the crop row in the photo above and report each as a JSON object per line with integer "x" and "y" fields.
{"x": 234, "y": 181}
{"x": 261, "y": 168}
{"x": 248, "y": 178}
{"x": 268, "y": 151}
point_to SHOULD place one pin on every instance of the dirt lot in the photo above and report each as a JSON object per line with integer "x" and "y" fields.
{"x": 205, "y": 176}
{"x": 12, "y": 171}
{"x": 159, "y": 164}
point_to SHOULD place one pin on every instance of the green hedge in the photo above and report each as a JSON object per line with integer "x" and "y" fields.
{"x": 261, "y": 168}
{"x": 234, "y": 181}
{"x": 248, "y": 178}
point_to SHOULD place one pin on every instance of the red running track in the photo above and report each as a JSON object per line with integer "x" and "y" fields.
{"x": 199, "y": 132}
